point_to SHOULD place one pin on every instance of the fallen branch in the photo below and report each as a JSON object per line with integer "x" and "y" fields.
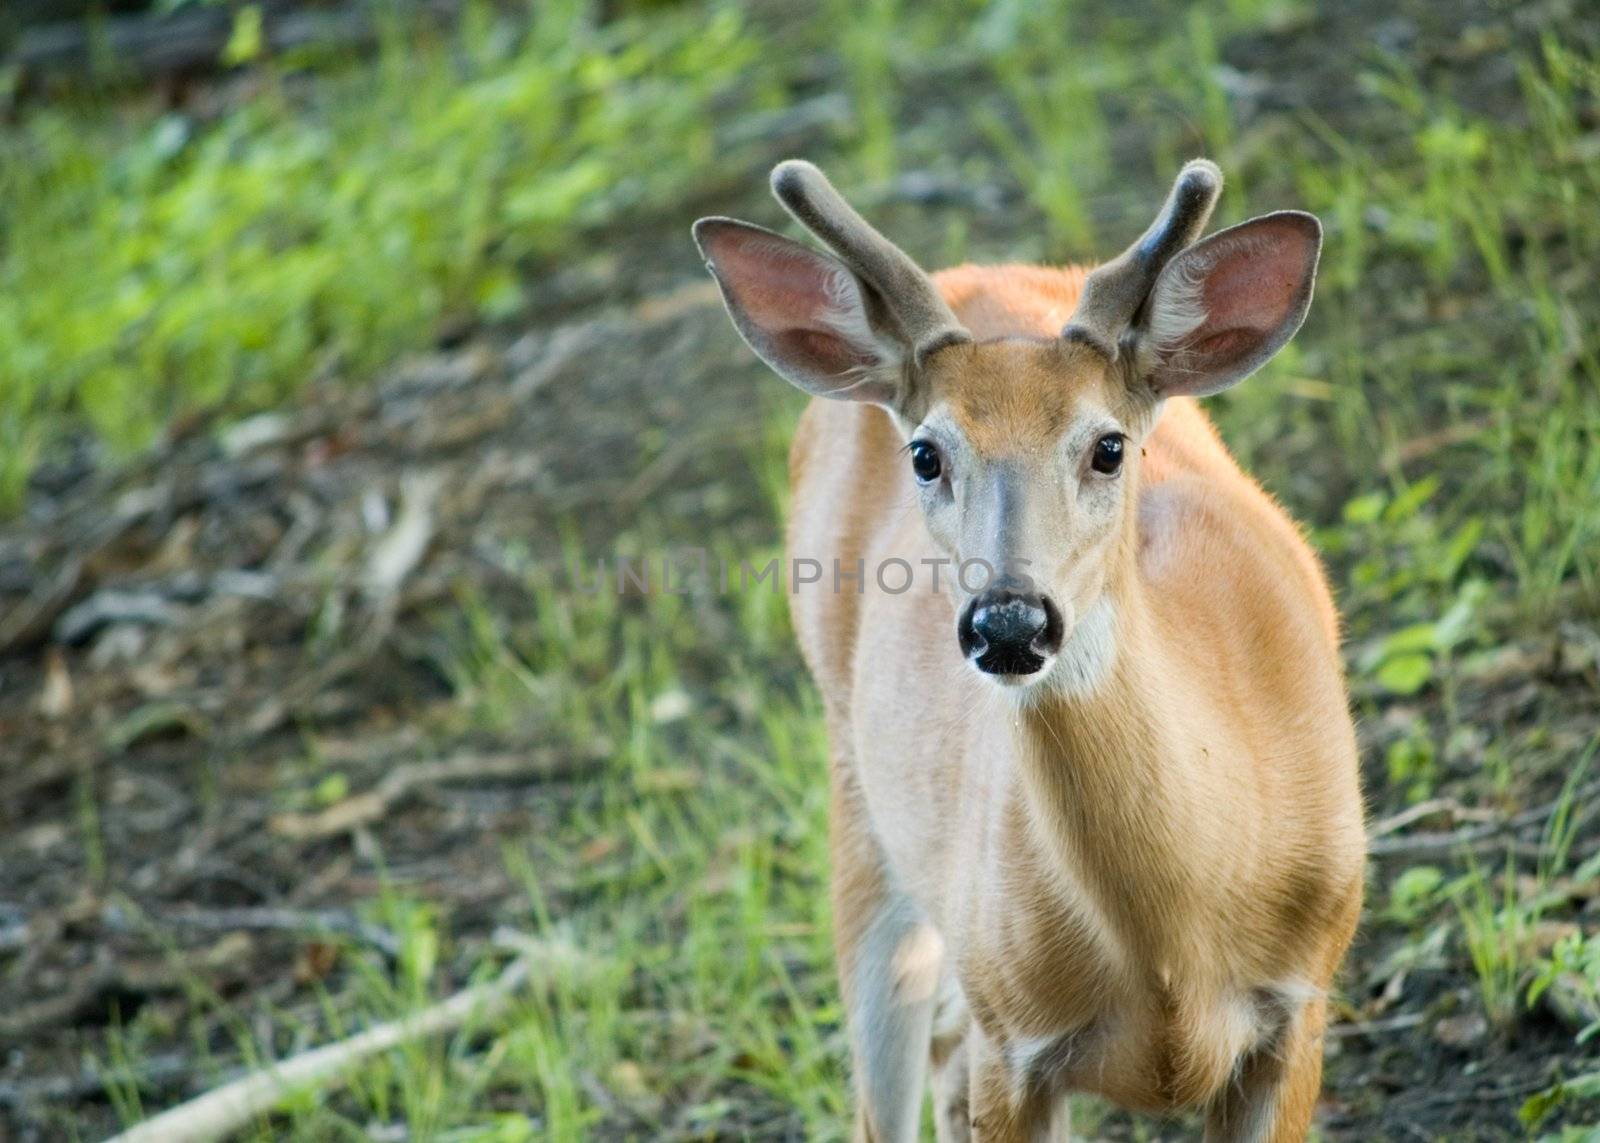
{"x": 374, "y": 804}
{"x": 1458, "y": 433}
{"x": 1474, "y": 837}
{"x": 1398, "y": 1023}
{"x": 401, "y": 548}
{"x": 1474, "y": 842}
{"x": 1427, "y": 809}
{"x": 229, "y": 1108}
{"x": 271, "y": 919}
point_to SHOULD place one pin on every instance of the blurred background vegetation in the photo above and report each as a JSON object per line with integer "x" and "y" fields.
{"x": 333, "y": 335}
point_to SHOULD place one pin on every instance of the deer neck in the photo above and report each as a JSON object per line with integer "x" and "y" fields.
{"x": 1104, "y": 787}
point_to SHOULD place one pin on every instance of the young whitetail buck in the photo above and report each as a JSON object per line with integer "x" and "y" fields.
{"x": 1096, "y": 823}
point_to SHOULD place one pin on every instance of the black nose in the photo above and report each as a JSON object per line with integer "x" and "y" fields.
{"x": 1009, "y": 632}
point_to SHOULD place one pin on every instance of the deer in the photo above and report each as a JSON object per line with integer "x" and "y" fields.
{"x": 1095, "y": 818}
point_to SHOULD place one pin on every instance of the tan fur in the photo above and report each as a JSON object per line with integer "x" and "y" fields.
{"x": 1143, "y": 890}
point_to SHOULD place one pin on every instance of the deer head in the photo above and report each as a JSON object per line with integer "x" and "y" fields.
{"x": 1024, "y": 450}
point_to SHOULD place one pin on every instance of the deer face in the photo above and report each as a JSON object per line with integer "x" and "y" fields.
{"x": 1024, "y": 451}
{"x": 1023, "y": 463}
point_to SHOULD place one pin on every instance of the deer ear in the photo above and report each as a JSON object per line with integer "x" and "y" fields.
{"x": 804, "y": 313}
{"x": 1223, "y": 307}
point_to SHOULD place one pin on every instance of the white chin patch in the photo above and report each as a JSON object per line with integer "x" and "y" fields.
{"x": 1085, "y": 659}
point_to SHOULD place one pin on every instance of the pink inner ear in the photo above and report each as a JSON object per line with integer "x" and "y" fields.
{"x": 1223, "y": 345}
{"x": 781, "y": 290}
{"x": 1252, "y": 285}
{"x": 803, "y": 312}
{"x": 825, "y": 349}
{"x": 1231, "y": 301}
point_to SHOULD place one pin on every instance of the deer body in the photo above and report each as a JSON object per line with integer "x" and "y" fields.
{"x": 1133, "y": 867}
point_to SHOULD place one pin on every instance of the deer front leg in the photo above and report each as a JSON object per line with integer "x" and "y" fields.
{"x": 952, "y": 1080}
{"x": 1273, "y": 1097}
{"x": 1007, "y": 1105}
{"x": 890, "y": 962}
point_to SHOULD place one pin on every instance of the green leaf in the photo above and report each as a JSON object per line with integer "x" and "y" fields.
{"x": 1538, "y": 1107}
{"x": 1414, "y": 892}
{"x": 1365, "y": 509}
{"x": 1417, "y": 883}
{"x": 499, "y": 295}
{"x": 1416, "y": 637}
{"x": 1405, "y": 674}
{"x": 334, "y": 788}
{"x": 1454, "y": 625}
{"x": 1406, "y": 504}
{"x": 245, "y": 41}
{"x": 1461, "y": 545}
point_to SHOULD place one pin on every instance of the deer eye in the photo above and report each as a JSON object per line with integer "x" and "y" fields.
{"x": 925, "y": 462}
{"x": 1107, "y": 456}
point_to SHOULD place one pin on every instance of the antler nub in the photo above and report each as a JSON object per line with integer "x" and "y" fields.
{"x": 904, "y": 289}
{"x": 1113, "y": 293}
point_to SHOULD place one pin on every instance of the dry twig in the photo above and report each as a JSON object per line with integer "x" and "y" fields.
{"x": 1484, "y": 834}
{"x": 226, "y": 1109}
{"x": 271, "y": 919}
{"x": 372, "y": 805}
{"x": 1400, "y": 1023}
{"x": 1405, "y": 817}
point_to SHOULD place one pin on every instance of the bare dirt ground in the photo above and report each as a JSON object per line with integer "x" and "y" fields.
{"x": 173, "y": 631}
{"x": 160, "y": 661}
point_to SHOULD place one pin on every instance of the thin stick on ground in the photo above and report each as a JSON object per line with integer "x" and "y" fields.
{"x": 221, "y": 1112}
{"x": 401, "y": 782}
{"x": 1484, "y": 833}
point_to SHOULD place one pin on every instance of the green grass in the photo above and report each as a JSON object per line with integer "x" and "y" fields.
{"x": 1058, "y": 151}
{"x": 867, "y": 41}
{"x": 1485, "y": 206}
{"x": 1499, "y": 931}
{"x": 697, "y": 906}
{"x": 153, "y": 266}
